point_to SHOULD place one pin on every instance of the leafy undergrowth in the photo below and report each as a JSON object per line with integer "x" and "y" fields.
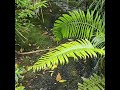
{"x": 37, "y": 39}
{"x": 61, "y": 77}
{"x": 70, "y": 75}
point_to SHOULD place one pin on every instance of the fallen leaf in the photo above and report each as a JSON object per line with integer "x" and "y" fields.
{"x": 61, "y": 81}
{"x": 58, "y": 77}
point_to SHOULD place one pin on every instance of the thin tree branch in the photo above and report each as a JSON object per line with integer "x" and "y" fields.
{"x": 31, "y": 52}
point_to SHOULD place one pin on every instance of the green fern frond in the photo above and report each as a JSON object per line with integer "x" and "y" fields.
{"x": 78, "y": 25}
{"x": 93, "y": 83}
{"x": 99, "y": 41}
{"x": 98, "y": 5}
{"x": 81, "y": 48}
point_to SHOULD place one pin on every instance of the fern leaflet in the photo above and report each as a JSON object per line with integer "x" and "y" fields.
{"x": 93, "y": 83}
{"x": 81, "y": 48}
{"x": 78, "y": 25}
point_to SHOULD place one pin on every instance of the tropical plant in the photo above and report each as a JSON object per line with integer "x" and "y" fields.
{"x": 88, "y": 28}
{"x": 21, "y": 29}
{"x": 25, "y": 9}
{"x": 18, "y": 72}
{"x": 18, "y": 75}
{"x": 81, "y": 48}
{"x": 98, "y": 6}
{"x": 78, "y": 25}
{"x": 95, "y": 82}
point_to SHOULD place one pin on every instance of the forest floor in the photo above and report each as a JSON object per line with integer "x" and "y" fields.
{"x": 28, "y": 53}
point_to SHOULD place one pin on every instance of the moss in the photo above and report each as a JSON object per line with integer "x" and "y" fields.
{"x": 36, "y": 40}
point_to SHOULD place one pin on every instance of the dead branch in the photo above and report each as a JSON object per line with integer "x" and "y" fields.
{"x": 31, "y": 52}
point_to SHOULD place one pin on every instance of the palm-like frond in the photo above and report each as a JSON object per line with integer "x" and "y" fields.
{"x": 78, "y": 25}
{"x": 93, "y": 83}
{"x": 81, "y": 48}
{"x": 98, "y": 5}
{"x": 99, "y": 41}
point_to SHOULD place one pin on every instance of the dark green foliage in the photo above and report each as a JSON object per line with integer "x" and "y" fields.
{"x": 18, "y": 76}
{"x": 78, "y": 25}
{"x": 24, "y": 11}
{"x": 99, "y": 40}
{"x": 98, "y": 6}
{"x": 86, "y": 27}
{"x": 95, "y": 82}
{"x": 75, "y": 25}
{"x": 35, "y": 40}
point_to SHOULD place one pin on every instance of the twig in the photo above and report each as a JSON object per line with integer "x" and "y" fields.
{"x": 31, "y": 52}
